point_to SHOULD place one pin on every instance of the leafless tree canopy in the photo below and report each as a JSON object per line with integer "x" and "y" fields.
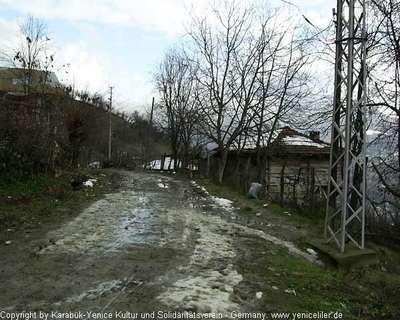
{"x": 384, "y": 108}
{"x": 177, "y": 110}
{"x": 243, "y": 73}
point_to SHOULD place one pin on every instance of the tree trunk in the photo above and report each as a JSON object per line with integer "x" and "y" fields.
{"x": 163, "y": 161}
{"x": 268, "y": 177}
{"x": 208, "y": 166}
{"x": 221, "y": 164}
{"x": 246, "y": 175}
{"x": 398, "y": 142}
{"x": 237, "y": 176}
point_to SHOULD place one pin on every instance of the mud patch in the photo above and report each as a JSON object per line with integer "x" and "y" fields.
{"x": 118, "y": 220}
{"x": 100, "y": 290}
{"x": 206, "y": 288}
{"x": 208, "y": 292}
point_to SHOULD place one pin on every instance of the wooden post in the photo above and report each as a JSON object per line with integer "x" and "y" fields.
{"x": 282, "y": 183}
{"x": 246, "y": 175}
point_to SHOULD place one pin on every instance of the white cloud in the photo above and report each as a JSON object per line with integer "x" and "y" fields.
{"x": 160, "y": 15}
{"x": 8, "y": 35}
{"x": 132, "y": 91}
{"x": 86, "y": 70}
{"x": 96, "y": 71}
{"x": 88, "y": 31}
{"x": 94, "y": 68}
{"x": 82, "y": 69}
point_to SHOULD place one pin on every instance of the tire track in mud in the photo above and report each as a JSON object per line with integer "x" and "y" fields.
{"x": 157, "y": 244}
{"x": 210, "y": 288}
{"x": 117, "y": 231}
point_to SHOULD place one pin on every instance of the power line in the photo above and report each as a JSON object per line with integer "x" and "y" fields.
{"x": 296, "y": 6}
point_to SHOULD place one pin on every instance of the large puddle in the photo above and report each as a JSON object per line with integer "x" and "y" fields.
{"x": 108, "y": 225}
{"x": 136, "y": 227}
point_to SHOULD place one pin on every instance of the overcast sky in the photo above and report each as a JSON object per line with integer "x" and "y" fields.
{"x": 118, "y": 42}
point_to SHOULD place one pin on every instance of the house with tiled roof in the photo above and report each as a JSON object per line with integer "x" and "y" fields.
{"x": 296, "y": 165}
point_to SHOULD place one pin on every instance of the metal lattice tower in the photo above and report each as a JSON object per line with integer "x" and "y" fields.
{"x": 345, "y": 214}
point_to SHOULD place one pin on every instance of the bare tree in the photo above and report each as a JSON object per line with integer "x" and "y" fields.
{"x": 177, "y": 110}
{"x": 227, "y": 62}
{"x": 284, "y": 86}
{"x": 384, "y": 106}
{"x": 34, "y": 139}
{"x": 32, "y": 55}
{"x": 250, "y": 74}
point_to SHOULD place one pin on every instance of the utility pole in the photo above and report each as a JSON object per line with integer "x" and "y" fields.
{"x": 109, "y": 129}
{"x": 345, "y": 213}
{"x": 151, "y": 113}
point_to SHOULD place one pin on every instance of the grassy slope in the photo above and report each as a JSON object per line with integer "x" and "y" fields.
{"x": 45, "y": 198}
{"x": 360, "y": 293}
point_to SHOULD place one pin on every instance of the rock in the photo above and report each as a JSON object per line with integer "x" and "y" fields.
{"x": 88, "y": 183}
{"x": 259, "y": 295}
{"x": 94, "y": 165}
{"x": 275, "y": 287}
{"x": 255, "y": 190}
{"x": 8, "y": 242}
{"x": 291, "y": 291}
{"x": 258, "y": 214}
{"x": 311, "y": 251}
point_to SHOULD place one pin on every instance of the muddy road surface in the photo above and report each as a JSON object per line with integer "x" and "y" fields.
{"x": 157, "y": 245}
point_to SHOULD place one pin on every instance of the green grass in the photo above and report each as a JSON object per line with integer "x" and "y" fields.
{"x": 249, "y": 205}
{"x": 285, "y": 211}
{"x": 29, "y": 185}
{"x": 42, "y": 198}
{"x": 374, "y": 296}
{"x": 362, "y": 293}
{"x": 316, "y": 288}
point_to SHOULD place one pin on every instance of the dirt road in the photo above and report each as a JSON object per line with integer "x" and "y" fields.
{"x": 157, "y": 245}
